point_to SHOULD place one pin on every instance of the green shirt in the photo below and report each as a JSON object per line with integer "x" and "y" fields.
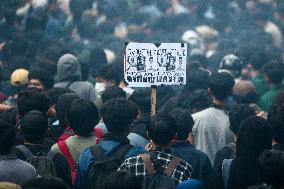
{"x": 260, "y": 84}
{"x": 266, "y": 100}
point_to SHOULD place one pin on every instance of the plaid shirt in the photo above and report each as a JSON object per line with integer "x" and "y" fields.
{"x": 135, "y": 165}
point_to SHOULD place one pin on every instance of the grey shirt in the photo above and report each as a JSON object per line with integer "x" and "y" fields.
{"x": 211, "y": 131}
{"x": 15, "y": 170}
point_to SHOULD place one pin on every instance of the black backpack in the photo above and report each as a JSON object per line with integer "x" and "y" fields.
{"x": 41, "y": 161}
{"x": 104, "y": 164}
{"x": 154, "y": 179}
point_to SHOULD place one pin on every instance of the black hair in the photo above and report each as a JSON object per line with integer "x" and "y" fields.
{"x": 46, "y": 64}
{"x": 97, "y": 58}
{"x": 142, "y": 98}
{"x": 55, "y": 93}
{"x": 272, "y": 164}
{"x": 112, "y": 93}
{"x": 122, "y": 180}
{"x": 199, "y": 100}
{"x": 161, "y": 129}
{"x": 276, "y": 119}
{"x": 237, "y": 114}
{"x": 62, "y": 107}
{"x": 221, "y": 85}
{"x": 43, "y": 76}
{"x": 85, "y": 71}
{"x": 253, "y": 138}
{"x": 7, "y": 137}
{"x": 82, "y": 117}
{"x": 258, "y": 58}
{"x": 118, "y": 114}
{"x": 45, "y": 183}
{"x": 197, "y": 79}
{"x": 274, "y": 72}
{"x": 32, "y": 99}
{"x": 34, "y": 126}
{"x": 10, "y": 116}
{"x": 184, "y": 122}
{"x": 108, "y": 72}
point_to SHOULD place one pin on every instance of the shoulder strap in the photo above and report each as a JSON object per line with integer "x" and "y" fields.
{"x": 148, "y": 164}
{"x": 121, "y": 151}
{"x": 25, "y": 151}
{"x": 172, "y": 166}
{"x": 98, "y": 152}
{"x": 226, "y": 166}
{"x": 66, "y": 153}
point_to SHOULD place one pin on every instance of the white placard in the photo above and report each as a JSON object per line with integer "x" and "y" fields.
{"x": 151, "y": 64}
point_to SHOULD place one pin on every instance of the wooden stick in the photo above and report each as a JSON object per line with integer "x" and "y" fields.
{"x": 154, "y": 100}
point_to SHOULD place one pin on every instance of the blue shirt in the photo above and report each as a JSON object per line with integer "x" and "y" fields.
{"x": 86, "y": 159}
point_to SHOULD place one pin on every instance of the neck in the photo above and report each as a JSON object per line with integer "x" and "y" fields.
{"x": 222, "y": 103}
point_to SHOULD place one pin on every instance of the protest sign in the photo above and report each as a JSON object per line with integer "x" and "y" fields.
{"x": 155, "y": 64}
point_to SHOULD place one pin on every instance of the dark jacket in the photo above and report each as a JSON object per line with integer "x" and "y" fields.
{"x": 60, "y": 163}
{"x": 201, "y": 165}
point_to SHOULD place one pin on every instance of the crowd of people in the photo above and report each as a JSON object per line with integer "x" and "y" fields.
{"x": 69, "y": 120}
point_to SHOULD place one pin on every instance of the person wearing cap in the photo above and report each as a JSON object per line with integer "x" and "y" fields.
{"x": 34, "y": 128}
{"x": 70, "y": 76}
{"x": 232, "y": 65}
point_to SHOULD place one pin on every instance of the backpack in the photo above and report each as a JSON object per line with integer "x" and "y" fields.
{"x": 72, "y": 164}
{"x": 156, "y": 179}
{"x": 226, "y": 166}
{"x": 104, "y": 164}
{"x": 42, "y": 162}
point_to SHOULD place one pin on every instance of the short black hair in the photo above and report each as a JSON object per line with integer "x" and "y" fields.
{"x": 108, "y": 72}
{"x": 55, "y": 93}
{"x": 258, "y": 58}
{"x": 221, "y": 85}
{"x": 34, "y": 126}
{"x": 274, "y": 72}
{"x": 142, "y": 98}
{"x": 62, "y": 107}
{"x": 10, "y": 116}
{"x": 196, "y": 79}
{"x": 237, "y": 114}
{"x": 272, "y": 165}
{"x": 32, "y": 99}
{"x": 118, "y": 114}
{"x": 276, "y": 119}
{"x": 161, "y": 128}
{"x": 7, "y": 137}
{"x": 43, "y": 76}
{"x": 112, "y": 93}
{"x": 184, "y": 122}
{"x": 82, "y": 117}
{"x": 253, "y": 138}
{"x": 121, "y": 180}
{"x": 45, "y": 183}
{"x": 97, "y": 58}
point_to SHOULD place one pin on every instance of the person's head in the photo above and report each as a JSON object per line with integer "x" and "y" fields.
{"x": 272, "y": 164}
{"x": 97, "y": 58}
{"x": 276, "y": 120}
{"x": 237, "y": 114}
{"x": 258, "y": 59}
{"x": 199, "y": 100}
{"x": 34, "y": 126}
{"x": 82, "y": 117}
{"x": 221, "y": 85}
{"x": 32, "y": 99}
{"x": 45, "y": 183}
{"x": 68, "y": 68}
{"x": 10, "y": 116}
{"x": 184, "y": 122}
{"x": 231, "y": 64}
{"x": 53, "y": 95}
{"x": 142, "y": 98}
{"x": 161, "y": 129}
{"x": 112, "y": 93}
{"x": 106, "y": 75}
{"x": 122, "y": 180}
{"x": 253, "y": 138}
{"x": 274, "y": 73}
{"x": 244, "y": 92}
{"x": 41, "y": 79}
{"x": 118, "y": 115}
{"x": 7, "y": 137}
{"x": 196, "y": 79}
{"x": 63, "y": 106}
